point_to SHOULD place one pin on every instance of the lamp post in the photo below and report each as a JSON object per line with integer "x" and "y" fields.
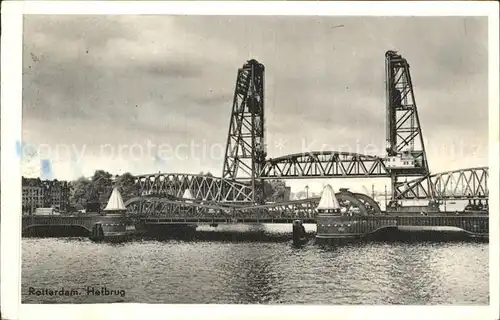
{"x": 385, "y": 197}
{"x": 307, "y": 192}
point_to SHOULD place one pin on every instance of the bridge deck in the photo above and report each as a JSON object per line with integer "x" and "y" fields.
{"x": 403, "y": 219}
{"x": 218, "y": 220}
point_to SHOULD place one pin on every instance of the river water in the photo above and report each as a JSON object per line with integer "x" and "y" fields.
{"x": 247, "y": 271}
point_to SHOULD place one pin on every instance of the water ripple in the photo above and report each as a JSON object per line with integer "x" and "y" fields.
{"x": 269, "y": 273}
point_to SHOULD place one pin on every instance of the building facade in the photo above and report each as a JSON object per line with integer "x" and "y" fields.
{"x": 32, "y": 198}
{"x": 44, "y": 194}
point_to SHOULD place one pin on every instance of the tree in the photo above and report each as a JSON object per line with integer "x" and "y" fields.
{"x": 127, "y": 186}
{"x": 274, "y": 190}
{"x": 101, "y": 186}
{"x": 97, "y": 189}
{"x": 79, "y": 195}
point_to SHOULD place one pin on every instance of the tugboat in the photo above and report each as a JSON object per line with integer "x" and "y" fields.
{"x": 114, "y": 225}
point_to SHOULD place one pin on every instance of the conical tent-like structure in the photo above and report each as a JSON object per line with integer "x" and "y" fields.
{"x": 187, "y": 194}
{"x": 328, "y": 202}
{"x": 115, "y": 202}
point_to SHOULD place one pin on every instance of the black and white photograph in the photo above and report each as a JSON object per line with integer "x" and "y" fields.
{"x": 271, "y": 159}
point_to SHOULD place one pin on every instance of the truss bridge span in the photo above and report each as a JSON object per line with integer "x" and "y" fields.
{"x": 324, "y": 164}
{"x": 201, "y": 187}
{"x": 152, "y": 206}
{"x": 462, "y": 184}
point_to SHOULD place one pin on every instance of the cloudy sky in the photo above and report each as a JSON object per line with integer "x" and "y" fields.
{"x": 95, "y": 85}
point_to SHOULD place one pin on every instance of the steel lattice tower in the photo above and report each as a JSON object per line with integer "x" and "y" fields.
{"x": 404, "y": 134}
{"x": 245, "y": 149}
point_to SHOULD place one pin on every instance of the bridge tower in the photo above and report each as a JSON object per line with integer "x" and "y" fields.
{"x": 245, "y": 148}
{"x": 406, "y": 155}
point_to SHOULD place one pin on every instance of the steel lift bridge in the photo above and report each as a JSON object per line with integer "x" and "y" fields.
{"x": 239, "y": 192}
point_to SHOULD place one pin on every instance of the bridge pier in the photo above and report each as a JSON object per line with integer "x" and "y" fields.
{"x": 95, "y": 226}
{"x": 97, "y": 232}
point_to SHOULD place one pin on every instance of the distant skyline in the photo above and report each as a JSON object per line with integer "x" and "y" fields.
{"x": 93, "y": 85}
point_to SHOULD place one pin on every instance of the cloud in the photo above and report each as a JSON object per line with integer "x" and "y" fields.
{"x": 95, "y": 80}
{"x": 172, "y": 70}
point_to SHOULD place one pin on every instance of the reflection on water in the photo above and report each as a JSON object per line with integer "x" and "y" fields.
{"x": 258, "y": 272}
